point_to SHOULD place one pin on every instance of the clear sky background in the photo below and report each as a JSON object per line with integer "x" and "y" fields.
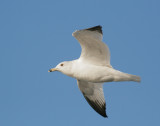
{"x": 35, "y": 35}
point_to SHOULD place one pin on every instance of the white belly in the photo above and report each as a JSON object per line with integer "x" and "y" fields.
{"x": 91, "y": 73}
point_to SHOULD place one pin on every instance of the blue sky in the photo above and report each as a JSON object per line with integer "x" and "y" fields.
{"x": 36, "y": 35}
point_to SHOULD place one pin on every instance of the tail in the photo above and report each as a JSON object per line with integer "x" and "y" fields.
{"x": 126, "y": 77}
{"x": 134, "y": 78}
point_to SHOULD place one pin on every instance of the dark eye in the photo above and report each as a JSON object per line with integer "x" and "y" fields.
{"x": 61, "y": 64}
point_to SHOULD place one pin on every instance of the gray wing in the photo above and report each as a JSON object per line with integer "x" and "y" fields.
{"x": 93, "y": 93}
{"x": 94, "y": 51}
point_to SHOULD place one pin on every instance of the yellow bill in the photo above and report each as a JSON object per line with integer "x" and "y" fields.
{"x": 53, "y": 69}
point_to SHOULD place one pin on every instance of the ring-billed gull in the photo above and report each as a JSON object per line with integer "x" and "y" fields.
{"x": 93, "y": 68}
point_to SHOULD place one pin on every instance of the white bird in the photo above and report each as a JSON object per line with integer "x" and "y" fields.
{"x": 93, "y": 68}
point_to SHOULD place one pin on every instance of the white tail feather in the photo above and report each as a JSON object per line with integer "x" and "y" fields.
{"x": 126, "y": 77}
{"x": 135, "y": 78}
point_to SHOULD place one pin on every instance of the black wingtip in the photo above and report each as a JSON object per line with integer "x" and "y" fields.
{"x": 105, "y": 116}
{"x": 99, "y": 109}
{"x": 96, "y": 28}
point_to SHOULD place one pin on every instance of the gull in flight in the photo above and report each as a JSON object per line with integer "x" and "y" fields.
{"x": 93, "y": 68}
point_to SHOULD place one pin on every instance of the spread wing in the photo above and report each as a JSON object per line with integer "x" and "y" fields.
{"x": 94, "y": 51}
{"x": 93, "y": 93}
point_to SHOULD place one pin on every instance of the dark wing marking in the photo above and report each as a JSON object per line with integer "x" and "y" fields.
{"x": 96, "y": 28}
{"x": 96, "y": 106}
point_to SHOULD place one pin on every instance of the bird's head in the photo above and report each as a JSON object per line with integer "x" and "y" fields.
{"x": 64, "y": 67}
